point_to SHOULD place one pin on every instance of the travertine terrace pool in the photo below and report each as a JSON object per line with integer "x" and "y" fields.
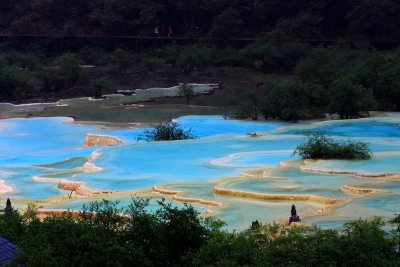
{"x": 224, "y": 172}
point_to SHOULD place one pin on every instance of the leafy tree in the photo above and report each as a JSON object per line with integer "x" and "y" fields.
{"x": 182, "y": 232}
{"x": 274, "y": 53}
{"x": 369, "y": 19}
{"x": 15, "y": 83}
{"x": 25, "y": 61}
{"x": 320, "y": 146}
{"x": 123, "y": 60}
{"x": 226, "y": 25}
{"x": 186, "y": 91}
{"x": 194, "y": 57}
{"x": 167, "y": 131}
{"x": 101, "y": 85}
{"x": 365, "y": 241}
{"x": 380, "y": 72}
{"x": 64, "y": 241}
{"x": 304, "y": 25}
{"x": 62, "y": 73}
{"x": 246, "y": 106}
{"x": 153, "y": 63}
{"x": 348, "y": 99}
{"x": 323, "y": 65}
{"x": 91, "y": 55}
{"x": 108, "y": 235}
{"x": 12, "y": 226}
{"x": 396, "y": 232}
{"x": 171, "y": 54}
{"x": 287, "y": 100}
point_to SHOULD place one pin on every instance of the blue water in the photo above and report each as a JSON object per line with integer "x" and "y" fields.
{"x": 370, "y": 127}
{"x": 52, "y": 148}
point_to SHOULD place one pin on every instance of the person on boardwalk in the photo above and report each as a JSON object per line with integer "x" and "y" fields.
{"x": 169, "y": 31}
{"x": 157, "y": 31}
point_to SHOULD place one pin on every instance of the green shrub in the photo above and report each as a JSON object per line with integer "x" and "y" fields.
{"x": 167, "y": 131}
{"x": 91, "y": 55}
{"x": 286, "y": 100}
{"x": 186, "y": 91}
{"x": 106, "y": 234}
{"x": 320, "y": 146}
{"x": 170, "y": 54}
{"x": 274, "y": 55}
{"x": 102, "y": 84}
{"x": 15, "y": 83}
{"x": 122, "y": 59}
{"x": 153, "y": 63}
{"x": 194, "y": 57}
{"x": 62, "y": 73}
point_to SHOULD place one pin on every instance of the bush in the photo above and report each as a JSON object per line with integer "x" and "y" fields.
{"x": 167, "y": 131}
{"x": 289, "y": 101}
{"x": 186, "y": 91}
{"x": 194, "y": 57}
{"x": 63, "y": 73}
{"x": 153, "y": 63}
{"x": 272, "y": 55}
{"x": 122, "y": 59}
{"x": 105, "y": 234}
{"x": 15, "y": 83}
{"x": 320, "y": 146}
{"x": 91, "y": 55}
{"x": 102, "y": 84}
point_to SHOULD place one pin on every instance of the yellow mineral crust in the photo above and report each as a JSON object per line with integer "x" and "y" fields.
{"x": 357, "y": 174}
{"x": 260, "y": 196}
{"x": 101, "y": 140}
{"x": 176, "y": 196}
{"x": 358, "y": 191}
{"x": 78, "y": 188}
{"x": 395, "y": 176}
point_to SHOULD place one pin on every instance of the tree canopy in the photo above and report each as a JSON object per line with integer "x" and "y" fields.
{"x": 107, "y": 234}
{"x": 217, "y": 20}
{"x": 320, "y": 146}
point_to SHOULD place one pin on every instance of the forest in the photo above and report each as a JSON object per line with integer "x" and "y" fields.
{"x": 106, "y": 234}
{"x": 307, "y": 59}
{"x": 367, "y": 20}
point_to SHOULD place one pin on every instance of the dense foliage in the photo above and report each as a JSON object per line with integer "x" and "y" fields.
{"x": 320, "y": 80}
{"x": 167, "y": 131}
{"x": 215, "y": 20}
{"x": 328, "y": 56}
{"x": 105, "y": 234}
{"x": 321, "y": 146}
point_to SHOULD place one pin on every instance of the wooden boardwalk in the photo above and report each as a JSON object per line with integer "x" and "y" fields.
{"x": 183, "y": 38}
